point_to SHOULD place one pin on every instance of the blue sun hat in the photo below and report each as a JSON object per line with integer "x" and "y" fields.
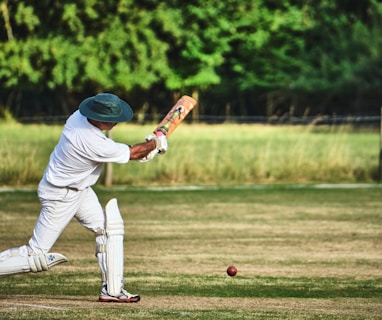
{"x": 106, "y": 107}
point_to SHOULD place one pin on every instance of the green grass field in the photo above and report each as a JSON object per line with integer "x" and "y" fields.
{"x": 303, "y": 252}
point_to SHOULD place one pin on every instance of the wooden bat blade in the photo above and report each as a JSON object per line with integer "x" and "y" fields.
{"x": 176, "y": 115}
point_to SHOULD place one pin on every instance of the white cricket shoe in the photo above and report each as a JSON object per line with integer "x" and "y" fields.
{"x": 124, "y": 296}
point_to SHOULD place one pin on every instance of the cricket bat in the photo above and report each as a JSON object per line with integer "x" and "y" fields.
{"x": 175, "y": 116}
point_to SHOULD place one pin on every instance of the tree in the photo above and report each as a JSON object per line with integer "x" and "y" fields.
{"x": 241, "y": 57}
{"x": 75, "y": 45}
{"x": 199, "y": 49}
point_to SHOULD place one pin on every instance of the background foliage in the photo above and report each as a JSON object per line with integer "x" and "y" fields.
{"x": 258, "y": 57}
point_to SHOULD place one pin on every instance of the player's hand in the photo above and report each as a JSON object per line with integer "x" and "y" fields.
{"x": 150, "y": 156}
{"x": 160, "y": 142}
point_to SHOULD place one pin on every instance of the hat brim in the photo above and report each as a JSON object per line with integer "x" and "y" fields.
{"x": 86, "y": 110}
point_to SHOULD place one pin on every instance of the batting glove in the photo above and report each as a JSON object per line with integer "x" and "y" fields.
{"x": 150, "y": 156}
{"x": 160, "y": 142}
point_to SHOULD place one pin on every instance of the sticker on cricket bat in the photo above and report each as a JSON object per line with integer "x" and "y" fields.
{"x": 175, "y": 116}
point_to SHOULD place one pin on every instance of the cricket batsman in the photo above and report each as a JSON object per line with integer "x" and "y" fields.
{"x": 65, "y": 191}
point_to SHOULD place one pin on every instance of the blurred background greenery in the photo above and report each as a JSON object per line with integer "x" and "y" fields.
{"x": 257, "y": 58}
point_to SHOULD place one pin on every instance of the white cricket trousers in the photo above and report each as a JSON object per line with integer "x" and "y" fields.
{"x": 59, "y": 207}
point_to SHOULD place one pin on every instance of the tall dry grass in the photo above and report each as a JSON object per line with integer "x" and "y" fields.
{"x": 212, "y": 154}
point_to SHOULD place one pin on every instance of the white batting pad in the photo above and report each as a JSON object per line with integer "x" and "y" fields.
{"x": 114, "y": 248}
{"x": 13, "y": 263}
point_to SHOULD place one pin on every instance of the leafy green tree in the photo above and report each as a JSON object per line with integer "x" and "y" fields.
{"x": 300, "y": 54}
{"x": 73, "y": 45}
{"x": 338, "y": 49}
{"x": 241, "y": 57}
{"x": 264, "y": 51}
{"x": 199, "y": 48}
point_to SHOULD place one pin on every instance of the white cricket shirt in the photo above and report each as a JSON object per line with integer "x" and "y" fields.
{"x": 78, "y": 158}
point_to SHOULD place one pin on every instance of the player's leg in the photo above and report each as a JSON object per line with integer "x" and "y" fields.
{"x": 58, "y": 208}
{"x": 91, "y": 216}
{"x": 109, "y": 233}
{"x": 18, "y": 260}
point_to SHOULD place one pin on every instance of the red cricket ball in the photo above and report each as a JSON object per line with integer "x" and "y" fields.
{"x": 231, "y": 271}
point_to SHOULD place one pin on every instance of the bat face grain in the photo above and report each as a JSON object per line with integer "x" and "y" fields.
{"x": 176, "y": 115}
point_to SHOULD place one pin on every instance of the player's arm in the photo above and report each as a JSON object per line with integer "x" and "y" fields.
{"x": 164, "y": 129}
{"x": 153, "y": 145}
{"x": 141, "y": 150}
